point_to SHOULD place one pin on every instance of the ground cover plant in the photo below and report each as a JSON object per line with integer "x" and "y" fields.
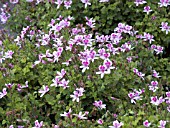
{"x": 85, "y": 63}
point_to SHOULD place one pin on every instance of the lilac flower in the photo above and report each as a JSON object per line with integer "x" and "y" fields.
{"x": 153, "y": 86}
{"x": 3, "y": 93}
{"x": 116, "y": 124}
{"x": 165, "y": 27}
{"x": 99, "y": 104}
{"x": 135, "y": 95}
{"x": 55, "y": 82}
{"x": 21, "y": 87}
{"x": 102, "y": 71}
{"x": 156, "y": 101}
{"x": 14, "y": 1}
{"x": 168, "y": 97}
{"x": 155, "y": 74}
{"x": 4, "y": 17}
{"x": 147, "y": 9}
{"x": 108, "y": 64}
{"x": 29, "y": 0}
{"x": 100, "y": 121}
{"x": 63, "y": 83}
{"x": 138, "y": 2}
{"x": 58, "y": 2}
{"x": 148, "y": 37}
{"x": 38, "y": 124}
{"x": 78, "y": 93}
{"x": 9, "y": 54}
{"x": 67, "y": 3}
{"x": 90, "y": 22}
{"x": 140, "y": 74}
{"x": 104, "y": 1}
{"x": 9, "y": 85}
{"x": 11, "y": 126}
{"x": 162, "y": 124}
{"x": 85, "y": 65}
{"x": 44, "y": 90}
{"x": 61, "y": 74}
{"x": 146, "y": 123}
{"x": 164, "y": 3}
{"x": 67, "y": 114}
{"x": 129, "y": 59}
{"x": 86, "y": 2}
{"x": 56, "y": 126}
{"x": 158, "y": 49}
{"x": 81, "y": 116}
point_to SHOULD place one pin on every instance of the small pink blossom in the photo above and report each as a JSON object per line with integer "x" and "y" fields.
{"x": 3, "y": 93}
{"x": 102, "y": 71}
{"x": 147, "y": 9}
{"x": 116, "y": 124}
{"x": 38, "y": 124}
{"x": 138, "y": 2}
{"x": 146, "y": 123}
{"x": 99, "y": 104}
{"x": 67, "y": 114}
{"x": 162, "y": 124}
{"x": 86, "y": 2}
{"x": 44, "y": 90}
{"x": 81, "y": 116}
{"x": 164, "y": 3}
{"x": 100, "y": 121}
{"x": 155, "y": 74}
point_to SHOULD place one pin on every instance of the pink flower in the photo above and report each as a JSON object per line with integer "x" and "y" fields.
{"x": 108, "y": 64}
{"x": 164, "y": 3}
{"x": 11, "y": 126}
{"x": 100, "y": 121}
{"x": 116, "y": 124}
{"x": 86, "y": 2}
{"x": 104, "y": 1}
{"x": 55, "y": 82}
{"x": 155, "y": 74}
{"x": 58, "y": 2}
{"x": 147, "y": 9}
{"x": 44, "y": 90}
{"x": 102, "y": 71}
{"x": 78, "y": 93}
{"x": 67, "y": 3}
{"x": 129, "y": 59}
{"x": 162, "y": 124}
{"x": 90, "y": 22}
{"x": 9, "y": 54}
{"x": 138, "y": 2}
{"x": 153, "y": 86}
{"x": 156, "y": 101}
{"x": 61, "y": 74}
{"x": 158, "y": 49}
{"x": 99, "y": 104}
{"x": 3, "y": 93}
{"x": 81, "y": 116}
{"x": 85, "y": 65}
{"x": 38, "y": 125}
{"x": 165, "y": 27}
{"x": 67, "y": 114}
{"x": 146, "y": 123}
{"x": 135, "y": 95}
{"x": 9, "y": 85}
{"x": 14, "y": 1}
{"x": 63, "y": 83}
